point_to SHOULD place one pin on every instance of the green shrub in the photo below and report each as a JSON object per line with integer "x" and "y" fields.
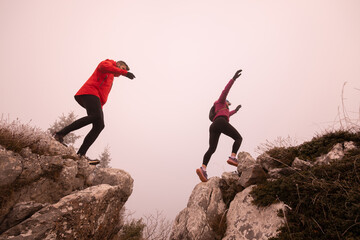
{"x": 325, "y": 200}
{"x": 310, "y": 150}
{"x": 132, "y": 230}
{"x": 284, "y": 155}
{"x": 322, "y": 144}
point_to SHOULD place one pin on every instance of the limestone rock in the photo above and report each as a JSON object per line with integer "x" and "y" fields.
{"x": 43, "y": 179}
{"x": 20, "y": 212}
{"x": 109, "y": 176}
{"x": 25, "y": 152}
{"x": 246, "y": 221}
{"x": 337, "y": 152}
{"x": 301, "y": 164}
{"x": 250, "y": 171}
{"x": 252, "y": 175}
{"x": 243, "y": 219}
{"x": 267, "y": 162}
{"x": 349, "y": 146}
{"x": 230, "y": 185}
{"x": 191, "y": 224}
{"x": 204, "y": 213}
{"x": 277, "y": 173}
{"x": 56, "y": 148}
{"x": 92, "y": 213}
{"x": 31, "y": 181}
{"x": 245, "y": 160}
{"x": 10, "y": 168}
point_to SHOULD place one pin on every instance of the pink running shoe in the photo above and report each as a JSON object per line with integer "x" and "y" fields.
{"x": 233, "y": 161}
{"x": 202, "y": 174}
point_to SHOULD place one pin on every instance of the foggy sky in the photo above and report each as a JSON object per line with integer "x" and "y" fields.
{"x": 295, "y": 56}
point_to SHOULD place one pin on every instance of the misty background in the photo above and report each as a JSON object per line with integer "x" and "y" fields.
{"x": 295, "y": 55}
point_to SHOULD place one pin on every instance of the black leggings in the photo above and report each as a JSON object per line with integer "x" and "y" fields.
{"x": 95, "y": 116}
{"x": 221, "y": 125}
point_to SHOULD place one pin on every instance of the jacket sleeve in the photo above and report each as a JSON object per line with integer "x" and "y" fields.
{"x": 225, "y": 92}
{"x": 107, "y": 66}
{"x": 232, "y": 112}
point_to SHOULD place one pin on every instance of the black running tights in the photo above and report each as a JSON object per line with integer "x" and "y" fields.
{"x": 95, "y": 116}
{"x": 221, "y": 125}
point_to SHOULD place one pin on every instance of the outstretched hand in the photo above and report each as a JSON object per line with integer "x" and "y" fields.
{"x": 237, "y": 108}
{"x": 237, "y": 74}
{"x": 130, "y": 75}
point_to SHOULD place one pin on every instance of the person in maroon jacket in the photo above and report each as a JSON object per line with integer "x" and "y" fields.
{"x": 221, "y": 125}
{"x": 92, "y": 96}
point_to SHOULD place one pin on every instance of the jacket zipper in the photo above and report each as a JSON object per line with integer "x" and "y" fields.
{"x": 103, "y": 80}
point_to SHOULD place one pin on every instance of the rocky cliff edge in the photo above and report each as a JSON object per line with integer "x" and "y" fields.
{"x": 57, "y": 195}
{"x": 223, "y": 208}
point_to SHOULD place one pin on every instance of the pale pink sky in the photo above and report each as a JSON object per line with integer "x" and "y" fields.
{"x": 295, "y": 56}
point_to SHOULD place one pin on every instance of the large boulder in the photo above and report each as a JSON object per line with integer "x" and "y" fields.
{"x": 92, "y": 213}
{"x": 19, "y": 213}
{"x": 245, "y": 160}
{"x": 204, "y": 216}
{"x": 30, "y": 182}
{"x": 267, "y": 162}
{"x": 248, "y": 222}
{"x": 39, "y": 178}
{"x": 10, "y": 167}
{"x": 230, "y": 185}
{"x": 250, "y": 171}
{"x": 109, "y": 176}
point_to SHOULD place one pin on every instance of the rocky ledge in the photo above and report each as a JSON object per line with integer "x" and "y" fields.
{"x": 59, "y": 196}
{"x": 222, "y": 207}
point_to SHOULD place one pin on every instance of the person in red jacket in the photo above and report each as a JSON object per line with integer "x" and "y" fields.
{"x": 221, "y": 125}
{"x": 92, "y": 96}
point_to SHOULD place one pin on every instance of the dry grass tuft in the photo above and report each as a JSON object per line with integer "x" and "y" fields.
{"x": 15, "y": 136}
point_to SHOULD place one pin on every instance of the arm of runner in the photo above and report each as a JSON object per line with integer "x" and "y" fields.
{"x": 107, "y": 66}
{"x": 235, "y": 110}
{"x": 130, "y": 75}
{"x": 237, "y": 74}
{"x": 226, "y": 90}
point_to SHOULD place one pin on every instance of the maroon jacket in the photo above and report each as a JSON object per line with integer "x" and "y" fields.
{"x": 220, "y": 105}
{"x": 100, "y": 82}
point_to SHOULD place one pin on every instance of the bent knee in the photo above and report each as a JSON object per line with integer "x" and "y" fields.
{"x": 98, "y": 123}
{"x": 101, "y": 126}
{"x": 239, "y": 138}
{"x": 211, "y": 150}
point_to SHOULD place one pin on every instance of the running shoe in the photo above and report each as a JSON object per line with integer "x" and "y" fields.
{"x": 93, "y": 161}
{"x": 202, "y": 174}
{"x": 59, "y": 138}
{"x": 90, "y": 161}
{"x": 233, "y": 161}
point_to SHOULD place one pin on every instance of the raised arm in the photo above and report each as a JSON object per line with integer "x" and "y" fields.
{"x": 235, "y": 110}
{"x": 226, "y": 90}
{"x": 107, "y": 66}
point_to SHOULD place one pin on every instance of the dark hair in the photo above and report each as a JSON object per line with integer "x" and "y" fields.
{"x": 123, "y": 63}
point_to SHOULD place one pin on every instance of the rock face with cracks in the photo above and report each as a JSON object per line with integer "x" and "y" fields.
{"x": 236, "y": 218}
{"x": 59, "y": 196}
{"x": 204, "y": 209}
{"x": 246, "y": 221}
{"x": 221, "y": 207}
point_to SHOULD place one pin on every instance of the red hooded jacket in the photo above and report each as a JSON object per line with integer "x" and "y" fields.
{"x": 100, "y": 82}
